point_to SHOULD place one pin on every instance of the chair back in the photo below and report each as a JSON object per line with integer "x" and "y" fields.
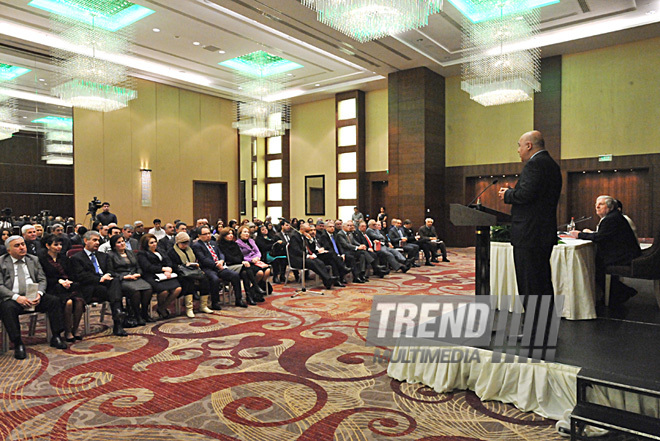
{"x": 288, "y": 258}
{"x": 75, "y": 249}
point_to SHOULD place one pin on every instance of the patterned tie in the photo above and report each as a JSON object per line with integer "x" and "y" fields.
{"x": 334, "y": 244}
{"x": 97, "y": 269}
{"x": 20, "y": 273}
{"x": 368, "y": 241}
{"x": 215, "y": 256}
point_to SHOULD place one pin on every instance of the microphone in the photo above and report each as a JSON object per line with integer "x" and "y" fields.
{"x": 482, "y": 191}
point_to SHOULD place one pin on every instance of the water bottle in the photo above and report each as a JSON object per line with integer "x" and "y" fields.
{"x": 571, "y": 225}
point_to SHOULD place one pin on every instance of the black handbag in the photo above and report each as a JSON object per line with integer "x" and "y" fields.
{"x": 190, "y": 273}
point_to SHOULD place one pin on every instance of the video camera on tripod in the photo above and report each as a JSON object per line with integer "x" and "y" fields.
{"x": 93, "y": 207}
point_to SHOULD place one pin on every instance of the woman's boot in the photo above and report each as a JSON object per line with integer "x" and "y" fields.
{"x": 204, "y": 305}
{"x": 189, "y": 306}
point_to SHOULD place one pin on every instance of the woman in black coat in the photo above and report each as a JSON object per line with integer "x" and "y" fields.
{"x": 154, "y": 265}
{"x": 125, "y": 267}
{"x": 57, "y": 269}
{"x": 265, "y": 243}
{"x": 234, "y": 261}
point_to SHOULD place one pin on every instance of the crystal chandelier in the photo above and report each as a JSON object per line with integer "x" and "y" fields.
{"x": 8, "y": 117}
{"x": 87, "y": 81}
{"x": 366, "y": 20}
{"x": 260, "y": 75}
{"x": 494, "y": 75}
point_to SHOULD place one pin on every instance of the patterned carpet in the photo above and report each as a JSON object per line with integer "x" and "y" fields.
{"x": 289, "y": 369}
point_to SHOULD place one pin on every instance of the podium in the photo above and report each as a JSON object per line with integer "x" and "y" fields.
{"x": 481, "y": 218}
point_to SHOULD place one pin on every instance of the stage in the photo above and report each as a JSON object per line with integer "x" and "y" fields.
{"x": 617, "y": 347}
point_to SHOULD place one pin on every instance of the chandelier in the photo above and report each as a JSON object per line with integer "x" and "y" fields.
{"x": 366, "y": 20}
{"x": 8, "y": 115}
{"x": 86, "y": 80}
{"x": 259, "y": 75}
{"x": 493, "y": 74}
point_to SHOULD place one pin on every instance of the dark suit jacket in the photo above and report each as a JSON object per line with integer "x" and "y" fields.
{"x": 7, "y": 273}
{"x": 204, "y": 256}
{"x": 165, "y": 244}
{"x": 33, "y": 247}
{"x": 534, "y": 203}
{"x": 53, "y": 276}
{"x": 344, "y": 242}
{"x": 323, "y": 239}
{"x": 615, "y": 241}
{"x": 151, "y": 264}
{"x": 297, "y": 249}
{"x": 83, "y": 268}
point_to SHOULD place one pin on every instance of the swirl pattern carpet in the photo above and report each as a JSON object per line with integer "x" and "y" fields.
{"x": 288, "y": 369}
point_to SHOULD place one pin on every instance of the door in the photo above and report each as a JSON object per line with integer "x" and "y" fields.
{"x": 210, "y": 201}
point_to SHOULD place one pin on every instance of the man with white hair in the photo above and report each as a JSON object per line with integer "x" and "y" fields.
{"x": 616, "y": 244}
{"x": 19, "y": 272}
{"x": 29, "y": 233}
{"x": 427, "y": 232}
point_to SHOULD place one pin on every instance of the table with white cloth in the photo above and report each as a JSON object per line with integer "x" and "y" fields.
{"x": 573, "y": 267}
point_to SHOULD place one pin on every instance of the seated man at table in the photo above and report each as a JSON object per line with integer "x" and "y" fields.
{"x": 616, "y": 244}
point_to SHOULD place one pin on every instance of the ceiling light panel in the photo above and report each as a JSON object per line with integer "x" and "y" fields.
{"x": 260, "y": 64}
{"x": 110, "y": 15}
{"x": 482, "y": 10}
{"x": 9, "y": 72}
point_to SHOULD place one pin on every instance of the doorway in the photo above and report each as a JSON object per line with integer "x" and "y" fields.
{"x": 210, "y": 201}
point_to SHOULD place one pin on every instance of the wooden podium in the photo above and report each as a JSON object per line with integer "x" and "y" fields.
{"x": 481, "y": 218}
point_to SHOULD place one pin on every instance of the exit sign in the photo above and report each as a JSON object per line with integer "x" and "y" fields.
{"x": 604, "y": 158}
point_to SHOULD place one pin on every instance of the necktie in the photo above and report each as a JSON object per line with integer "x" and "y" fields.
{"x": 215, "y": 256}
{"x": 20, "y": 274}
{"x": 334, "y": 244}
{"x": 97, "y": 269}
{"x": 286, "y": 237}
{"x": 368, "y": 241}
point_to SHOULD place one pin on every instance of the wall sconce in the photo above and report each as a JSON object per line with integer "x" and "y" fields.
{"x": 145, "y": 183}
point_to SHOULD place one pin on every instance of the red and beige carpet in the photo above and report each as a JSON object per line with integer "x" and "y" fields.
{"x": 288, "y": 369}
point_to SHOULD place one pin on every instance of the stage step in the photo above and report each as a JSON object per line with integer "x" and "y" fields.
{"x": 586, "y": 413}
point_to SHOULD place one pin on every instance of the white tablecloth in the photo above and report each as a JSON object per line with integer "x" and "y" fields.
{"x": 573, "y": 268}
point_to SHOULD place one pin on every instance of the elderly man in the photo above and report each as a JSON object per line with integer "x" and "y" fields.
{"x": 19, "y": 271}
{"x": 616, "y": 244}
{"x": 399, "y": 239}
{"x": 91, "y": 270}
{"x": 393, "y": 257}
{"x": 29, "y": 233}
{"x": 428, "y": 233}
{"x": 299, "y": 249}
{"x": 138, "y": 230}
{"x": 326, "y": 255}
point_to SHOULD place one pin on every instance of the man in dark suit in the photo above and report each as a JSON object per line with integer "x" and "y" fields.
{"x": 534, "y": 217}
{"x": 131, "y": 243}
{"x": 360, "y": 237}
{"x": 33, "y": 244}
{"x": 356, "y": 252}
{"x": 326, "y": 239}
{"x": 427, "y": 233}
{"x": 298, "y": 249}
{"x": 167, "y": 241}
{"x": 19, "y": 270}
{"x": 327, "y": 256}
{"x": 212, "y": 262}
{"x": 105, "y": 217}
{"x": 91, "y": 270}
{"x": 616, "y": 244}
{"x": 399, "y": 239}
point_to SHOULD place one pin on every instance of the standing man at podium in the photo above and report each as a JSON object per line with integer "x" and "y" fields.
{"x": 534, "y": 216}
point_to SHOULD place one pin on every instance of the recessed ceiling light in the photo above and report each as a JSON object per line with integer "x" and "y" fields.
{"x": 651, "y": 12}
{"x": 221, "y": 51}
{"x": 317, "y": 85}
{"x": 196, "y": 43}
{"x": 25, "y": 117}
{"x": 156, "y": 30}
{"x": 289, "y": 75}
{"x": 41, "y": 79}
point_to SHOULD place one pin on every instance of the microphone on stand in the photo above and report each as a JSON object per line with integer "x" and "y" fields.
{"x": 483, "y": 191}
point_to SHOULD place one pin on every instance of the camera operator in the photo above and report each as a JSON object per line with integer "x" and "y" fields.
{"x": 105, "y": 217}
{"x": 6, "y": 220}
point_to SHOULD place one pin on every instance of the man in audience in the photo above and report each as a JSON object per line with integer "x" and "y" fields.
{"x": 412, "y": 238}
{"x": 19, "y": 271}
{"x": 375, "y": 233}
{"x": 348, "y": 242}
{"x": 138, "y": 230}
{"x": 104, "y": 233}
{"x": 428, "y": 232}
{"x": 167, "y": 241}
{"x": 326, "y": 256}
{"x": 399, "y": 239}
{"x": 326, "y": 239}
{"x": 90, "y": 269}
{"x": 105, "y": 217}
{"x": 114, "y": 231}
{"x": 383, "y": 256}
{"x": 212, "y": 262}
{"x": 40, "y": 231}
{"x": 30, "y": 237}
{"x": 616, "y": 244}
{"x": 299, "y": 249}
{"x": 77, "y": 238}
{"x": 157, "y": 230}
{"x": 131, "y": 244}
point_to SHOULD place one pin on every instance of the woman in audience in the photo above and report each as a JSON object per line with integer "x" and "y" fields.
{"x": 40, "y": 231}
{"x": 252, "y": 254}
{"x": 271, "y": 230}
{"x": 125, "y": 267}
{"x": 295, "y": 224}
{"x": 157, "y": 270}
{"x": 5, "y": 234}
{"x": 182, "y": 255}
{"x": 57, "y": 268}
{"x": 234, "y": 258}
{"x": 265, "y": 243}
{"x": 382, "y": 216}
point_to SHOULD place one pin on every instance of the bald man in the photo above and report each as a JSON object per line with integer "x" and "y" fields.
{"x": 534, "y": 216}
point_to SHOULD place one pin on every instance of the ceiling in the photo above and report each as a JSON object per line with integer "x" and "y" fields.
{"x": 332, "y": 62}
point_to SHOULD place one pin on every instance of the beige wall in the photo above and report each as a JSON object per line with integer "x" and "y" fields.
{"x": 313, "y": 153}
{"x": 182, "y": 136}
{"x": 610, "y": 101}
{"x": 482, "y": 135}
{"x": 376, "y": 150}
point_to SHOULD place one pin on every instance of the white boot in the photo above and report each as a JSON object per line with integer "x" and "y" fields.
{"x": 204, "y": 305}
{"x": 189, "y": 306}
